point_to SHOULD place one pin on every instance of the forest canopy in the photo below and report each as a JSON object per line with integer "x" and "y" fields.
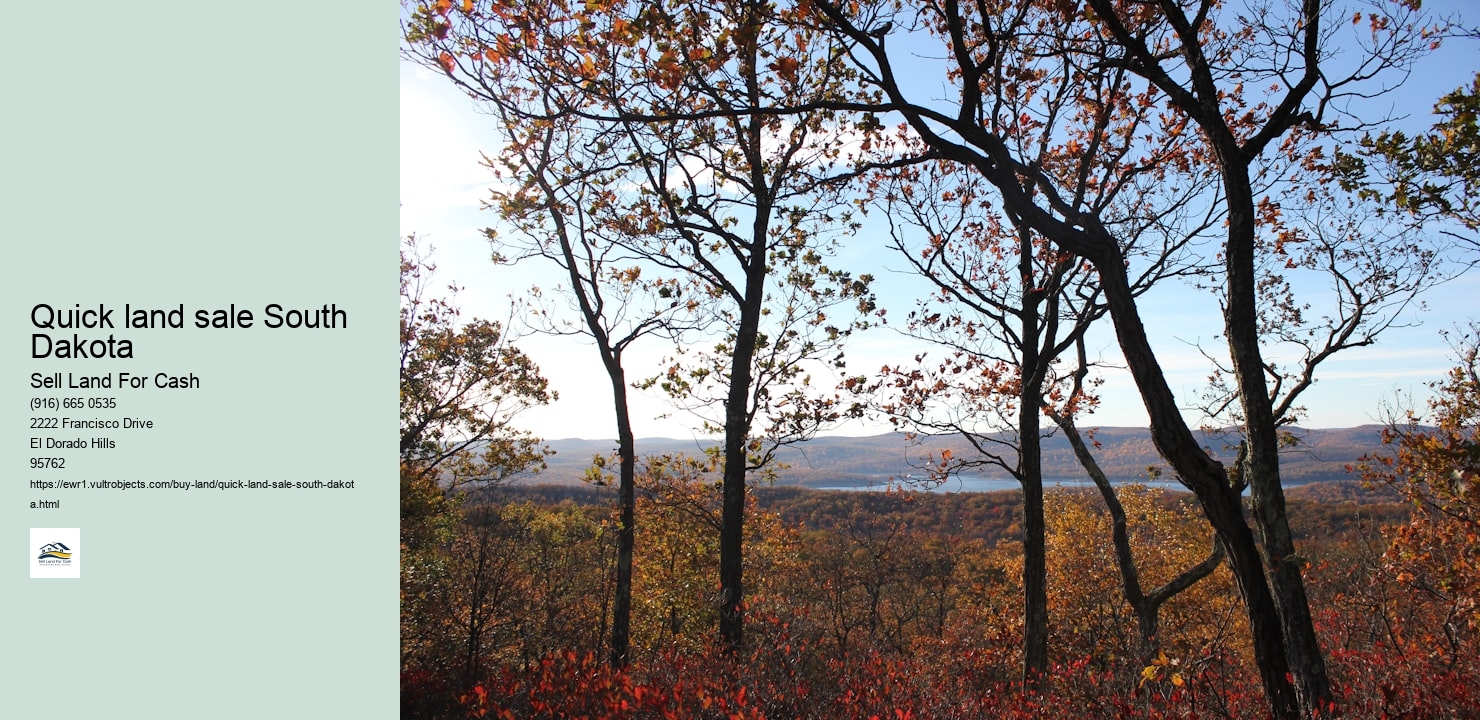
{"x": 696, "y": 172}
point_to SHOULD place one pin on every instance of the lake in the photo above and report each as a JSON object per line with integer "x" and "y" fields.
{"x": 992, "y": 484}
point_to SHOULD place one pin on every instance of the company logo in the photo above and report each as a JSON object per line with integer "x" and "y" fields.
{"x": 56, "y": 551}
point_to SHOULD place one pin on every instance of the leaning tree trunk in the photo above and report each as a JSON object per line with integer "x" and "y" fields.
{"x": 1262, "y": 467}
{"x": 1208, "y": 480}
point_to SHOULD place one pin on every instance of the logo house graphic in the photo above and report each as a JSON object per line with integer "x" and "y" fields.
{"x": 54, "y": 553}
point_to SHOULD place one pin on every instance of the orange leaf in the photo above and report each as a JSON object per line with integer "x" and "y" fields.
{"x": 787, "y": 68}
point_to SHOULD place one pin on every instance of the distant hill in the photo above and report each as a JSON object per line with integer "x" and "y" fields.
{"x": 1124, "y": 453}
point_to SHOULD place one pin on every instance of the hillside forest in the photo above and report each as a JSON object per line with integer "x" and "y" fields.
{"x": 702, "y": 178}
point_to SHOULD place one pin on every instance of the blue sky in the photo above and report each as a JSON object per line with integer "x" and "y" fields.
{"x": 442, "y": 185}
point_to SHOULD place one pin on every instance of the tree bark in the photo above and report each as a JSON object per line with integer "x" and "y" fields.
{"x": 736, "y": 463}
{"x": 1208, "y": 480}
{"x": 1261, "y": 436}
{"x": 747, "y": 335}
{"x": 1030, "y": 474}
{"x": 738, "y": 406}
{"x": 626, "y": 516}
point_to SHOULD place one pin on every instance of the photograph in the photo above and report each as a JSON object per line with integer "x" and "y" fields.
{"x": 1008, "y": 359}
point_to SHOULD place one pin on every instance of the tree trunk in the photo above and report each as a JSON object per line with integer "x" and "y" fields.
{"x": 626, "y": 512}
{"x": 747, "y": 334}
{"x": 1262, "y": 463}
{"x": 732, "y": 513}
{"x": 1035, "y": 555}
{"x": 611, "y": 360}
{"x": 1207, "y": 479}
{"x": 1030, "y": 473}
{"x": 737, "y": 426}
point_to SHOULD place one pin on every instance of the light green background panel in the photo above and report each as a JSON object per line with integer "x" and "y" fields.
{"x": 199, "y": 157}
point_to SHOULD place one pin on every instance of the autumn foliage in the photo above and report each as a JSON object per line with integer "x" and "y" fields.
{"x": 1065, "y": 158}
{"x": 896, "y": 605}
{"x": 1432, "y": 562}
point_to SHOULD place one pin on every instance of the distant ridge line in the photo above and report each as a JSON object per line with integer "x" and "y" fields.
{"x": 1126, "y": 453}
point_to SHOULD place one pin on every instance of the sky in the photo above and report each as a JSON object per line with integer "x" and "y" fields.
{"x": 443, "y": 184}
